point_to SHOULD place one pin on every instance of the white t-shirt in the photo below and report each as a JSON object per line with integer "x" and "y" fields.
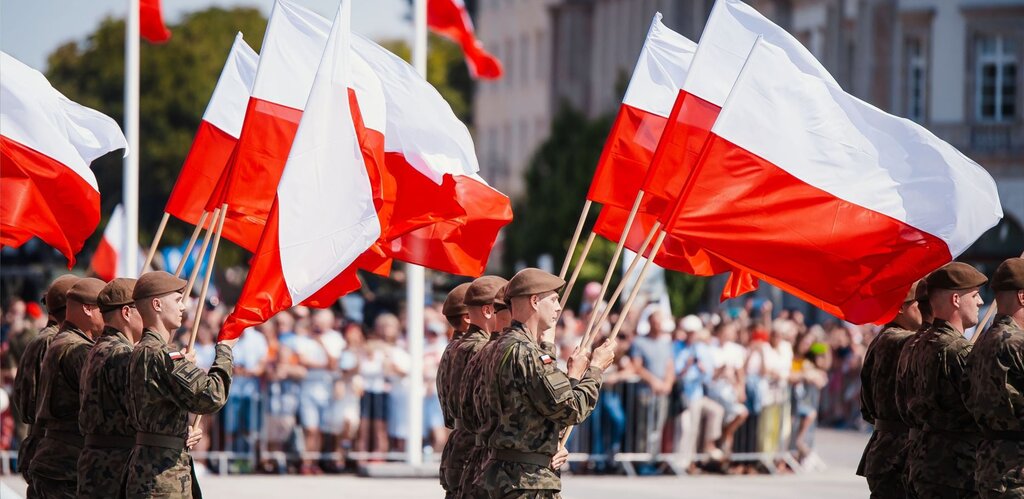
{"x": 334, "y": 342}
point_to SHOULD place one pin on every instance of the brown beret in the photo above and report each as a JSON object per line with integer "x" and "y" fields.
{"x": 57, "y": 295}
{"x": 116, "y": 294}
{"x": 86, "y": 290}
{"x": 921, "y": 293}
{"x": 483, "y": 290}
{"x": 913, "y": 291}
{"x": 956, "y": 276}
{"x": 499, "y": 298}
{"x": 532, "y": 281}
{"x": 1009, "y": 275}
{"x": 455, "y": 303}
{"x": 157, "y": 283}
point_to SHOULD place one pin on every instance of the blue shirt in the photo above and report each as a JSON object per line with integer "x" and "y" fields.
{"x": 694, "y": 367}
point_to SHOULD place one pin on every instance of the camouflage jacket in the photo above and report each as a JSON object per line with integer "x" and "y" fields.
{"x": 105, "y": 387}
{"x": 26, "y": 381}
{"x": 933, "y": 393}
{"x": 885, "y": 450}
{"x": 460, "y": 442}
{"x": 535, "y": 402}
{"x": 469, "y": 346}
{"x": 59, "y": 403}
{"x": 443, "y": 380}
{"x": 995, "y": 373}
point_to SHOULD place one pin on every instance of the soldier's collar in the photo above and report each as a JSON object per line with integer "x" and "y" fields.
{"x": 154, "y": 334}
{"x": 523, "y": 330}
{"x": 77, "y": 331}
{"x": 944, "y": 326}
{"x": 117, "y": 333}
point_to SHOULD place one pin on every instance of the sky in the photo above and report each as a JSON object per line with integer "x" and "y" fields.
{"x": 31, "y": 29}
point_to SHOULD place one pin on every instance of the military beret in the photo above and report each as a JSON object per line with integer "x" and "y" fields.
{"x": 921, "y": 293}
{"x": 499, "y": 298}
{"x": 57, "y": 295}
{"x": 1009, "y": 275}
{"x": 157, "y": 283}
{"x": 86, "y": 290}
{"x": 912, "y": 292}
{"x": 484, "y": 290}
{"x": 116, "y": 294}
{"x": 532, "y": 281}
{"x": 955, "y": 276}
{"x": 455, "y": 303}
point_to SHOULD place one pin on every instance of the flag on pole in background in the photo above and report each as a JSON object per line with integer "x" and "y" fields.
{"x": 107, "y": 262}
{"x": 151, "y": 22}
{"x": 47, "y": 143}
{"x": 449, "y": 18}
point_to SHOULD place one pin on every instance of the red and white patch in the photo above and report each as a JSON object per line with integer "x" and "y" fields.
{"x": 546, "y": 359}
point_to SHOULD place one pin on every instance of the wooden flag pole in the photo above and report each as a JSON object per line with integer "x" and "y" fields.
{"x": 622, "y": 284}
{"x": 575, "y": 240}
{"x": 206, "y": 279}
{"x": 156, "y": 240}
{"x": 576, "y": 271}
{"x": 191, "y": 242}
{"x": 202, "y": 253}
{"x": 615, "y": 259}
{"x": 636, "y": 289}
{"x": 984, "y": 320}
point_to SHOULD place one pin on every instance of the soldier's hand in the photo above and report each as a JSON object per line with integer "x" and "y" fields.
{"x": 560, "y": 458}
{"x": 190, "y": 355}
{"x": 604, "y": 355}
{"x": 578, "y": 363}
{"x": 194, "y": 436}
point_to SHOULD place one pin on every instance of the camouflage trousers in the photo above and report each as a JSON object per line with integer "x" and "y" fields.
{"x": 474, "y": 468}
{"x": 48, "y": 488}
{"x": 100, "y": 471}
{"x": 506, "y": 480}
{"x": 890, "y": 485}
{"x": 453, "y": 461}
{"x": 1000, "y": 470}
{"x": 26, "y": 450}
{"x": 156, "y": 472}
{"x": 931, "y": 490}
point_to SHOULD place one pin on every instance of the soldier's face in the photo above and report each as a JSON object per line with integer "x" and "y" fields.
{"x": 134, "y": 319}
{"x": 503, "y": 319}
{"x": 970, "y": 303}
{"x": 172, "y": 310}
{"x": 911, "y": 311}
{"x": 547, "y": 309}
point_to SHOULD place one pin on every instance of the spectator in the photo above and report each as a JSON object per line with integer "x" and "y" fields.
{"x": 433, "y": 421}
{"x": 374, "y": 406}
{"x": 694, "y": 368}
{"x": 726, "y": 386}
{"x": 316, "y": 388}
{"x": 808, "y": 377}
{"x": 241, "y": 413}
{"x": 652, "y": 359}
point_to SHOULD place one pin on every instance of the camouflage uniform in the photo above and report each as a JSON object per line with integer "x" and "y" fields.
{"x": 109, "y": 435}
{"x": 995, "y": 370}
{"x": 24, "y": 398}
{"x": 461, "y": 441}
{"x": 163, "y": 388}
{"x": 535, "y": 403}
{"x": 941, "y": 460}
{"x": 884, "y": 457}
{"x": 444, "y": 395}
{"x": 54, "y": 465}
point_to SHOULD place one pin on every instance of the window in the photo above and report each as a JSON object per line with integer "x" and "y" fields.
{"x": 996, "y": 83}
{"x": 917, "y": 73}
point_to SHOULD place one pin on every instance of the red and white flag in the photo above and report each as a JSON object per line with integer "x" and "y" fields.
{"x": 445, "y": 217}
{"x": 449, "y": 18}
{"x": 47, "y": 143}
{"x": 826, "y": 196}
{"x": 324, "y": 215}
{"x": 106, "y": 262}
{"x": 151, "y": 22}
{"x": 217, "y": 135}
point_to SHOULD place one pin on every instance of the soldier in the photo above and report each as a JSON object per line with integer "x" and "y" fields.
{"x": 479, "y": 302}
{"x": 164, "y": 386}
{"x": 535, "y": 401}
{"x": 884, "y": 457}
{"x": 54, "y": 465}
{"x": 995, "y": 373}
{"x": 941, "y": 459}
{"x": 457, "y": 313}
{"x": 26, "y": 381}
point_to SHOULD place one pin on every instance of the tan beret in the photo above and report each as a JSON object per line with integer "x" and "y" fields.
{"x": 1009, "y": 275}
{"x": 956, "y": 276}
{"x": 157, "y": 283}
{"x": 116, "y": 294}
{"x": 532, "y": 281}
{"x": 57, "y": 295}
{"x": 86, "y": 290}
{"x": 455, "y": 303}
{"x": 499, "y": 298}
{"x": 483, "y": 290}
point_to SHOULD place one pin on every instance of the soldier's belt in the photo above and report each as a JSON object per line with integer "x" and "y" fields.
{"x": 515, "y": 456}
{"x": 97, "y": 441}
{"x": 157, "y": 440}
{"x": 459, "y": 426}
{"x": 891, "y": 426}
{"x": 1017, "y": 436}
{"x": 70, "y": 438}
{"x": 963, "y": 435}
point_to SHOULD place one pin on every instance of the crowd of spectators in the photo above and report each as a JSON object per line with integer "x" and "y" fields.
{"x": 319, "y": 391}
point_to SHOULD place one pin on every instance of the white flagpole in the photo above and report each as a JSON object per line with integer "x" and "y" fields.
{"x": 414, "y": 285}
{"x": 130, "y": 191}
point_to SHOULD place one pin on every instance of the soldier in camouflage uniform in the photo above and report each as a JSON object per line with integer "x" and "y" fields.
{"x": 479, "y": 302}
{"x": 995, "y": 372}
{"x": 164, "y": 386}
{"x": 457, "y": 313}
{"x": 941, "y": 459}
{"x": 54, "y": 465}
{"x": 884, "y": 457}
{"x": 26, "y": 381}
{"x": 535, "y": 400}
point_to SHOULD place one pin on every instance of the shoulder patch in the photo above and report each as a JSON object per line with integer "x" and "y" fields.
{"x": 186, "y": 373}
{"x": 176, "y": 355}
{"x": 546, "y": 359}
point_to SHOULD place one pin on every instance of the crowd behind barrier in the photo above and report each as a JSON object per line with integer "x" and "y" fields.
{"x": 740, "y": 390}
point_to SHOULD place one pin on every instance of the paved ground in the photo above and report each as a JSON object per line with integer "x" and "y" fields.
{"x": 841, "y": 450}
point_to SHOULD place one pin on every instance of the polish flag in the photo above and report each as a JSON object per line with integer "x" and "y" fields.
{"x": 151, "y": 22}
{"x": 450, "y": 19}
{"x": 46, "y": 145}
{"x": 216, "y": 138}
{"x": 446, "y": 217}
{"x": 324, "y": 215}
{"x": 826, "y": 196}
{"x": 106, "y": 262}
